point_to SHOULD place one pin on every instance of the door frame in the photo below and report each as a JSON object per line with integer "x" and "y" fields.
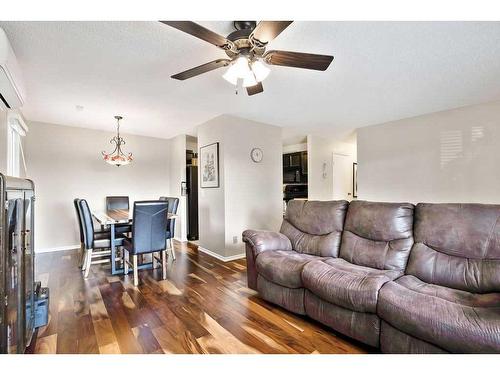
{"x": 350, "y": 196}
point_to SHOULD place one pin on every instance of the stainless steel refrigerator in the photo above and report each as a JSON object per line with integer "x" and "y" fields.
{"x": 17, "y": 311}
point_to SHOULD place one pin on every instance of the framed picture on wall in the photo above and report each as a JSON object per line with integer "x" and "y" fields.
{"x": 354, "y": 180}
{"x": 209, "y": 166}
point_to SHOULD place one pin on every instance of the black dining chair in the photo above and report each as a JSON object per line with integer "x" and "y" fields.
{"x": 119, "y": 203}
{"x": 99, "y": 233}
{"x": 148, "y": 235}
{"x": 173, "y": 204}
{"x": 94, "y": 247}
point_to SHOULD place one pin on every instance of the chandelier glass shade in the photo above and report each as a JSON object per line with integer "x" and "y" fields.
{"x": 117, "y": 156}
{"x": 250, "y": 72}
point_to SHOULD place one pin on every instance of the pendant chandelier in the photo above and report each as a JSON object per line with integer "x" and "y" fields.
{"x": 117, "y": 157}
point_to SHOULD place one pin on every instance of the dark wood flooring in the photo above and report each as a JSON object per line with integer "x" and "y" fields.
{"x": 204, "y": 306}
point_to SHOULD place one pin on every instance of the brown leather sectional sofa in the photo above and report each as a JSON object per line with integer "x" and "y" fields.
{"x": 403, "y": 278}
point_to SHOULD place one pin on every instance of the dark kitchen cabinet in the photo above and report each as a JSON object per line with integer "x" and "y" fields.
{"x": 295, "y": 159}
{"x": 286, "y": 160}
{"x": 295, "y": 167}
{"x": 303, "y": 159}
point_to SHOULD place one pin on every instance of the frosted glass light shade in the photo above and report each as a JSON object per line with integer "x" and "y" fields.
{"x": 238, "y": 70}
{"x": 231, "y": 76}
{"x": 251, "y": 74}
{"x": 260, "y": 70}
{"x": 249, "y": 80}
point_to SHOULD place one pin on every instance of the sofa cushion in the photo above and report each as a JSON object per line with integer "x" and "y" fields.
{"x": 458, "y": 246}
{"x": 454, "y": 320}
{"x": 283, "y": 267}
{"x": 291, "y": 299}
{"x": 345, "y": 284}
{"x": 378, "y": 235}
{"x": 315, "y": 227}
{"x": 394, "y": 341}
{"x": 364, "y": 327}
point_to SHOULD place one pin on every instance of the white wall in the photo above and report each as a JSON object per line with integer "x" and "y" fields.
{"x": 211, "y": 201}
{"x": 178, "y": 175}
{"x": 66, "y": 162}
{"x": 320, "y": 150}
{"x": 450, "y": 156}
{"x": 250, "y": 195}
{"x": 254, "y": 192}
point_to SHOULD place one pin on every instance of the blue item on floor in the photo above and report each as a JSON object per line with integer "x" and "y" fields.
{"x": 42, "y": 308}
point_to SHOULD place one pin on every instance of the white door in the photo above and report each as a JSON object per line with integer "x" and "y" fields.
{"x": 342, "y": 176}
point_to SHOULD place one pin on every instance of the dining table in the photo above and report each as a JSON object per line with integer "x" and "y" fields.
{"x": 112, "y": 219}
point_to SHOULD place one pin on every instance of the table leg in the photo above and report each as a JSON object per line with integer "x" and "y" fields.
{"x": 113, "y": 249}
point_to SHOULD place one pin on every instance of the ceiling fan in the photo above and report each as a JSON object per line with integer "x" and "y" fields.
{"x": 246, "y": 49}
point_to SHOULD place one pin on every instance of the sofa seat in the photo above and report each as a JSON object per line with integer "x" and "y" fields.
{"x": 394, "y": 341}
{"x": 283, "y": 267}
{"x": 454, "y": 320}
{"x": 345, "y": 284}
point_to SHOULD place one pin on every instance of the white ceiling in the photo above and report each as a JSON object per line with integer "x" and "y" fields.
{"x": 382, "y": 71}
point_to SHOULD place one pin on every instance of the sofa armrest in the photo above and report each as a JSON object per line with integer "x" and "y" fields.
{"x": 258, "y": 241}
{"x": 263, "y": 240}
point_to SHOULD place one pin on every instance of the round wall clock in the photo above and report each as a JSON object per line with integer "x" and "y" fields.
{"x": 256, "y": 154}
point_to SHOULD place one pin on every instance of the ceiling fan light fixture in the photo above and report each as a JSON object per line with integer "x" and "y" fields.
{"x": 239, "y": 69}
{"x": 246, "y": 52}
{"x": 260, "y": 70}
{"x": 231, "y": 76}
{"x": 249, "y": 80}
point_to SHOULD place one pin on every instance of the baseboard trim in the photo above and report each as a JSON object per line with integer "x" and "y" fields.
{"x": 54, "y": 249}
{"x": 220, "y": 257}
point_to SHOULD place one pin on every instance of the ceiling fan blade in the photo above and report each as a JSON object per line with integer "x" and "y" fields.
{"x": 200, "y": 32}
{"x": 219, "y": 63}
{"x": 298, "y": 60}
{"x": 266, "y": 31}
{"x": 252, "y": 90}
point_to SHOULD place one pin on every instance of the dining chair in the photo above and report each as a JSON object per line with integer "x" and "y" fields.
{"x": 94, "y": 246}
{"x": 117, "y": 202}
{"x": 99, "y": 233}
{"x": 148, "y": 235}
{"x": 173, "y": 204}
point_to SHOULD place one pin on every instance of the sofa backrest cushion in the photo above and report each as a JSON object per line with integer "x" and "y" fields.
{"x": 457, "y": 246}
{"x": 315, "y": 227}
{"x": 378, "y": 235}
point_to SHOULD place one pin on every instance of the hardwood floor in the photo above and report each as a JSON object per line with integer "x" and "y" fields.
{"x": 203, "y": 307}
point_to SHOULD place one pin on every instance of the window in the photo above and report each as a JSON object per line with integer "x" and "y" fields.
{"x": 16, "y": 128}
